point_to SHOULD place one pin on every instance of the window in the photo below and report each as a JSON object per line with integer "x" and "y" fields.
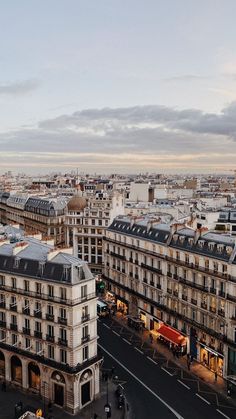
{"x": 26, "y": 285}
{"x": 38, "y": 288}
{"x": 63, "y": 313}
{"x": 37, "y": 306}
{"x": 2, "y": 280}
{"x": 38, "y": 326}
{"x": 85, "y": 331}
{"x": 13, "y": 319}
{"x": 13, "y": 283}
{"x": 63, "y": 334}
{"x": 50, "y": 351}
{"x": 50, "y": 290}
{"x": 50, "y": 330}
{"x": 14, "y": 339}
{"x": 50, "y": 310}
{"x": 27, "y": 343}
{"x": 63, "y": 293}
{"x": 38, "y": 346}
{"x": 27, "y": 324}
{"x": 63, "y": 356}
{"x": 85, "y": 353}
{"x": 84, "y": 291}
{"x": 2, "y": 335}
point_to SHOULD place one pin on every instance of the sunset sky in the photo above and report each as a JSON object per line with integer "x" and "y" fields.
{"x": 118, "y": 85}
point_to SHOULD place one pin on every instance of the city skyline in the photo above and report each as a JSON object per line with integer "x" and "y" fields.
{"x": 118, "y": 88}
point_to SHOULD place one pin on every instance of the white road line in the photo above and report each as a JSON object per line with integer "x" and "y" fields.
{"x": 104, "y": 324}
{"x": 227, "y": 417}
{"x": 183, "y": 384}
{"x": 200, "y": 397}
{"x": 167, "y": 372}
{"x": 129, "y": 343}
{"x": 137, "y": 349}
{"x": 177, "y": 415}
{"x": 99, "y": 320}
{"x": 150, "y": 359}
{"x": 117, "y": 334}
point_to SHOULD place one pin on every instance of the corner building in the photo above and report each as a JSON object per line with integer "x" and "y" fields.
{"x": 48, "y": 324}
{"x": 180, "y": 282}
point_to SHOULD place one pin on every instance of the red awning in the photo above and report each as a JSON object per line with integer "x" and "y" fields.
{"x": 171, "y": 335}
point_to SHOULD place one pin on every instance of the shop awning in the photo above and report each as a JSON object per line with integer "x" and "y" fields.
{"x": 172, "y": 335}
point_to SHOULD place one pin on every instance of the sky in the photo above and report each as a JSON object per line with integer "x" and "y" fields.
{"x": 119, "y": 86}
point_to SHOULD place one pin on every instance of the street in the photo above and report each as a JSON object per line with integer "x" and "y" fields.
{"x": 152, "y": 391}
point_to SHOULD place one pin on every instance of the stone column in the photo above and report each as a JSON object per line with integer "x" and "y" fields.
{"x": 25, "y": 380}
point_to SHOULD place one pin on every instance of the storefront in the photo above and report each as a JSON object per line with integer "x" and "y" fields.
{"x": 211, "y": 359}
{"x": 172, "y": 338}
{"x": 122, "y": 305}
{"x": 143, "y": 317}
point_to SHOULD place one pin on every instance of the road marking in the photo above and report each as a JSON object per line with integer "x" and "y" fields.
{"x": 99, "y": 320}
{"x": 177, "y": 415}
{"x": 183, "y": 384}
{"x": 117, "y": 334}
{"x": 104, "y": 324}
{"x": 137, "y": 349}
{"x": 129, "y": 343}
{"x": 150, "y": 359}
{"x": 200, "y": 397}
{"x": 167, "y": 372}
{"x": 222, "y": 414}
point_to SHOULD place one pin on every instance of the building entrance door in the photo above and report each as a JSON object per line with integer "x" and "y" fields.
{"x": 85, "y": 390}
{"x": 59, "y": 394}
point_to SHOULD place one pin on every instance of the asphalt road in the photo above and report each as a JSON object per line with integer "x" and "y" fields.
{"x": 151, "y": 391}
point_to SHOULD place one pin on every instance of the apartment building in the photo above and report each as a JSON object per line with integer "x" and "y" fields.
{"x": 86, "y": 222}
{"x": 48, "y": 324}
{"x": 35, "y": 214}
{"x": 181, "y": 282}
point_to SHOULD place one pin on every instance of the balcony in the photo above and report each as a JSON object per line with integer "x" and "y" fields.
{"x": 221, "y": 294}
{"x": 152, "y": 283}
{"x": 221, "y": 313}
{"x": 193, "y": 301}
{"x": 50, "y": 317}
{"x": 136, "y": 276}
{"x": 122, "y": 257}
{"x": 26, "y": 311}
{"x": 231, "y": 298}
{"x": 85, "y": 339}
{"x": 13, "y": 326}
{"x": 169, "y": 290}
{"x": 50, "y": 338}
{"x": 204, "y": 305}
{"x": 26, "y": 331}
{"x": 158, "y": 286}
{"x": 85, "y": 318}
{"x": 169, "y": 274}
{"x": 37, "y": 334}
{"x": 131, "y": 260}
{"x": 38, "y": 314}
{"x": 212, "y": 309}
{"x": 151, "y": 268}
{"x": 184, "y": 297}
{"x": 213, "y": 290}
{"x": 145, "y": 280}
{"x": 62, "y": 342}
{"x": 2, "y": 304}
{"x": 176, "y": 293}
{"x": 13, "y": 307}
{"x": 2, "y": 323}
{"x": 62, "y": 320}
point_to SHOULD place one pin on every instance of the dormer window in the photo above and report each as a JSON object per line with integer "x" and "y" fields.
{"x": 229, "y": 250}
{"x": 190, "y": 241}
{"x": 16, "y": 263}
{"x": 181, "y": 239}
{"x": 201, "y": 243}
{"x": 220, "y": 248}
{"x": 175, "y": 237}
{"x": 211, "y": 246}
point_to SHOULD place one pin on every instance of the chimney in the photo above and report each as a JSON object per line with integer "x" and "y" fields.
{"x": 18, "y": 247}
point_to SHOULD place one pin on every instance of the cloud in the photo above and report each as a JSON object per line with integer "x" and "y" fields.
{"x": 186, "y": 78}
{"x": 150, "y": 137}
{"x": 19, "y": 87}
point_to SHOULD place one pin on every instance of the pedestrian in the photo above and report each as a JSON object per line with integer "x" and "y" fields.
{"x": 95, "y": 416}
{"x": 215, "y": 376}
{"x": 4, "y": 387}
{"x": 150, "y": 338}
{"x": 112, "y": 371}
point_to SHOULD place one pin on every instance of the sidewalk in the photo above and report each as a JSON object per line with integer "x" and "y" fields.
{"x": 12, "y": 396}
{"x": 197, "y": 370}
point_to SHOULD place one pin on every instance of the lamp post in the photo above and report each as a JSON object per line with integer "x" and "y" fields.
{"x": 44, "y": 398}
{"x": 107, "y": 406}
